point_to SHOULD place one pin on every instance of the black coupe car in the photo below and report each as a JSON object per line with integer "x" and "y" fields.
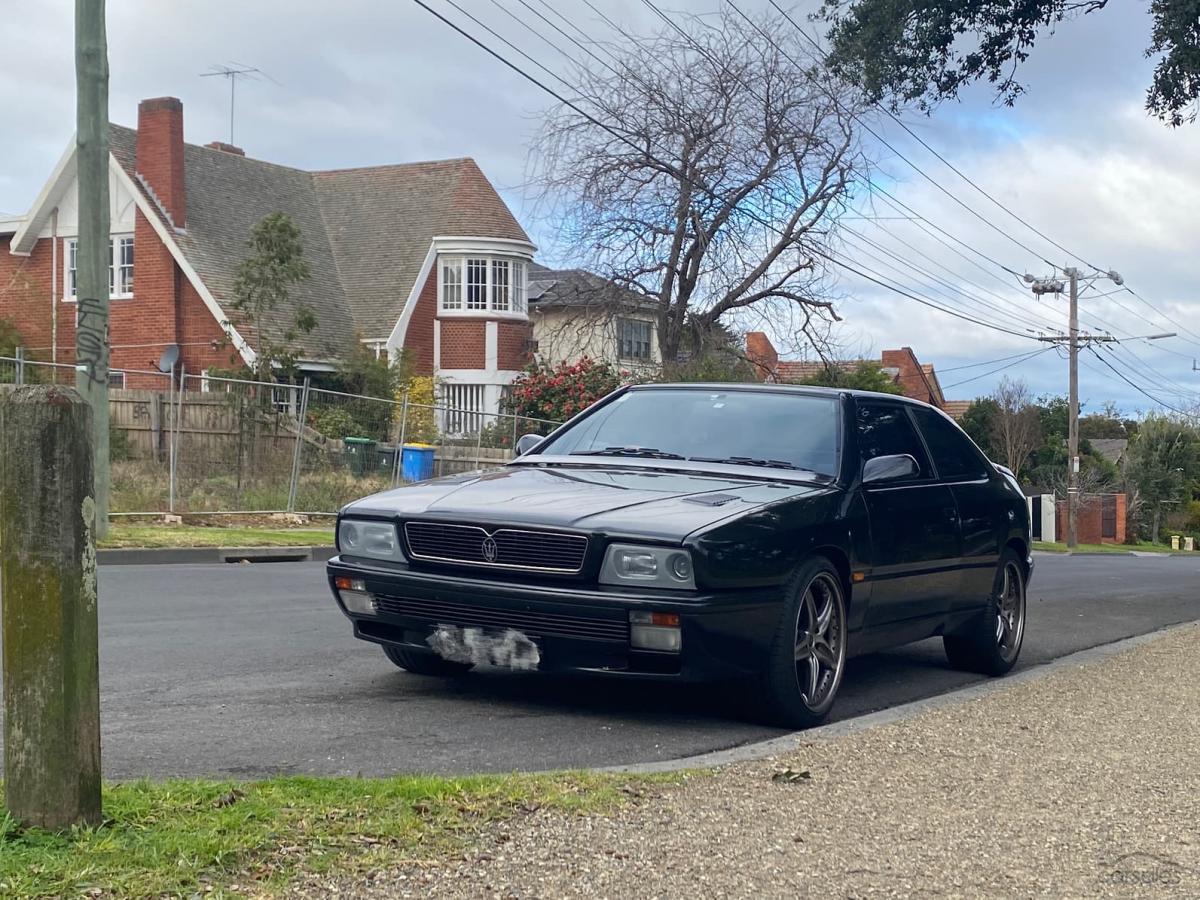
{"x": 702, "y": 532}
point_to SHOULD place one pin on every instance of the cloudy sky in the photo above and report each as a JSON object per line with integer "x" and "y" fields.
{"x": 360, "y": 83}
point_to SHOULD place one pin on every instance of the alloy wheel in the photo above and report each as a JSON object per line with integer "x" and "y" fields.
{"x": 1010, "y": 611}
{"x": 820, "y": 640}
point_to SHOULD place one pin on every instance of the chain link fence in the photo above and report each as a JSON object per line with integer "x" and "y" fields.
{"x": 204, "y": 444}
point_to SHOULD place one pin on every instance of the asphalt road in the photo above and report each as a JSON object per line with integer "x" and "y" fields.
{"x": 250, "y": 670}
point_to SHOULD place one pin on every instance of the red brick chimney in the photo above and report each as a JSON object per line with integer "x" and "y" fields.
{"x": 160, "y": 154}
{"x": 762, "y": 354}
{"x": 225, "y": 148}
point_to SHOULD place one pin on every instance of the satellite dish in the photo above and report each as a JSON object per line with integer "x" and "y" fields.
{"x": 170, "y": 358}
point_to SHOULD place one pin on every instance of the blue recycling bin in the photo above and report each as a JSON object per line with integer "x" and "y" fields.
{"x": 416, "y": 462}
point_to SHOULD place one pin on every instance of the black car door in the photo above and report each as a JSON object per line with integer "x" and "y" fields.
{"x": 981, "y": 512}
{"x": 915, "y": 541}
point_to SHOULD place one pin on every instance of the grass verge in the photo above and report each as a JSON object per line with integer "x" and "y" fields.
{"x": 1104, "y": 548}
{"x": 179, "y": 838}
{"x": 129, "y": 536}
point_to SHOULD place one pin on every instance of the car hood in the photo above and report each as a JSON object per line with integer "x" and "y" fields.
{"x": 615, "y": 501}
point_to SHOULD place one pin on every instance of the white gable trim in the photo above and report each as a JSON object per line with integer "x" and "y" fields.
{"x": 168, "y": 239}
{"x": 26, "y": 237}
{"x": 395, "y": 341}
{"x": 467, "y": 244}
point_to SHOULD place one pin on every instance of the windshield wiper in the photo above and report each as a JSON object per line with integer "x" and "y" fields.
{"x": 642, "y": 452}
{"x": 748, "y": 461}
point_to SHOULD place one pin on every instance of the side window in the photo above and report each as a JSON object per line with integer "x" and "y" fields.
{"x": 884, "y": 429}
{"x": 953, "y": 453}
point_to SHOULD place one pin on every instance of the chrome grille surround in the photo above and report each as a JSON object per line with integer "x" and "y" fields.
{"x": 514, "y": 549}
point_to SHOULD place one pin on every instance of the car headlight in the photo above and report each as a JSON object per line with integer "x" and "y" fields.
{"x": 662, "y": 567}
{"x": 373, "y": 540}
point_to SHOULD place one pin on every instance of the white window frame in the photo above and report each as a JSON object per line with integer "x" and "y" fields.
{"x": 116, "y": 243}
{"x": 621, "y": 355}
{"x": 111, "y": 373}
{"x": 500, "y": 296}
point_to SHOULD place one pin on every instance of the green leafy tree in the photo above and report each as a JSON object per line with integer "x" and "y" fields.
{"x": 1163, "y": 464}
{"x": 262, "y": 284}
{"x": 10, "y": 338}
{"x": 1108, "y": 423}
{"x": 926, "y": 51}
{"x": 863, "y": 376}
{"x": 979, "y": 422}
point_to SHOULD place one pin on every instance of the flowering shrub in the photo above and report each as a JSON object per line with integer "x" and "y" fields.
{"x": 559, "y": 392}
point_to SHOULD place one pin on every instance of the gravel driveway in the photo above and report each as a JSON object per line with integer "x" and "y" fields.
{"x": 1083, "y": 783}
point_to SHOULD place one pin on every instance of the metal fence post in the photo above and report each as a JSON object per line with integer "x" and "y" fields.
{"x": 398, "y": 462}
{"x": 294, "y": 486}
{"x": 478, "y": 443}
{"x": 20, "y": 374}
{"x": 172, "y": 425}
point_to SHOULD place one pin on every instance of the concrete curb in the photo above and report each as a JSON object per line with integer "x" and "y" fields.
{"x": 175, "y": 556}
{"x": 789, "y": 742}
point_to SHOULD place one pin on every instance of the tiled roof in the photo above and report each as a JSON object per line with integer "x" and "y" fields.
{"x": 365, "y": 231}
{"x": 381, "y": 220}
{"x": 577, "y": 288}
{"x": 1111, "y": 449}
{"x": 956, "y": 408}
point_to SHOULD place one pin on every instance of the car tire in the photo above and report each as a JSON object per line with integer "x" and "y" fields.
{"x": 991, "y": 643}
{"x": 420, "y": 663}
{"x": 808, "y": 655}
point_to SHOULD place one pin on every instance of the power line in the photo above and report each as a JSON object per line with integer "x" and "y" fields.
{"x": 858, "y": 118}
{"x": 938, "y": 155}
{"x": 1022, "y": 359}
{"x": 672, "y": 169}
{"x": 687, "y": 37}
{"x": 1138, "y": 387}
{"x": 916, "y": 268}
{"x": 988, "y": 362}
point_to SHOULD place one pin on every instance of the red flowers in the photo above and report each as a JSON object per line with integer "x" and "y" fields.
{"x": 559, "y": 392}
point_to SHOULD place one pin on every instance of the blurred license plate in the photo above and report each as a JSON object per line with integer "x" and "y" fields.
{"x": 508, "y": 649}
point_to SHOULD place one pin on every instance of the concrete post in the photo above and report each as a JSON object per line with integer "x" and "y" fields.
{"x": 48, "y": 600}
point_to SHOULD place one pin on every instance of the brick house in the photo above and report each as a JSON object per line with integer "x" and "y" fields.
{"x": 915, "y": 379}
{"x": 424, "y": 257}
{"x": 576, "y": 313}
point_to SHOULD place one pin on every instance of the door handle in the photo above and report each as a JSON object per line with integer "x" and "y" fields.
{"x": 952, "y": 514}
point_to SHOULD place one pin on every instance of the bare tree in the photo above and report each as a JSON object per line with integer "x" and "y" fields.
{"x": 706, "y": 176}
{"x": 1016, "y": 428}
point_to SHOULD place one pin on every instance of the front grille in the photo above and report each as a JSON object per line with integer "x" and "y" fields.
{"x": 534, "y": 624}
{"x": 504, "y": 548}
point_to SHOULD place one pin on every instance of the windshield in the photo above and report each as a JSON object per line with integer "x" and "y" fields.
{"x": 755, "y": 428}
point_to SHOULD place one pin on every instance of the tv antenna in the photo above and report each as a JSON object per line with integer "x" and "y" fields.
{"x": 233, "y": 72}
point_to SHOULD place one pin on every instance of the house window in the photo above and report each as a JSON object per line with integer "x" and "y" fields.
{"x": 482, "y": 284}
{"x": 500, "y": 285}
{"x": 452, "y": 285}
{"x": 477, "y": 283}
{"x": 120, "y": 268}
{"x": 633, "y": 338}
{"x": 116, "y": 379}
{"x": 518, "y": 297}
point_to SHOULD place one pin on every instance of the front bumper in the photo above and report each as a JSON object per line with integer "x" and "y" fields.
{"x": 724, "y": 634}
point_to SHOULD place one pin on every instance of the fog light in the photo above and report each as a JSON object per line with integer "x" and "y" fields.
{"x": 355, "y": 596}
{"x": 655, "y": 631}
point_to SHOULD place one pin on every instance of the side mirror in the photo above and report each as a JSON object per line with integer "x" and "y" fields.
{"x": 889, "y": 468}
{"x": 527, "y": 442}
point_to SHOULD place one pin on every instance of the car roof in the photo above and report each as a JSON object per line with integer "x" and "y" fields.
{"x": 760, "y": 387}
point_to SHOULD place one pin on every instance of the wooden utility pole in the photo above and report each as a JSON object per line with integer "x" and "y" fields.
{"x": 1073, "y": 411}
{"x": 48, "y": 599}
{"x": 94, "y": 254}
{"x": 1074, "y": 341}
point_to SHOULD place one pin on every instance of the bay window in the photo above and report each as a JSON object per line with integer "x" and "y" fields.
{"x": 120, "y": 268}
{"x": 480, "y": 284}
